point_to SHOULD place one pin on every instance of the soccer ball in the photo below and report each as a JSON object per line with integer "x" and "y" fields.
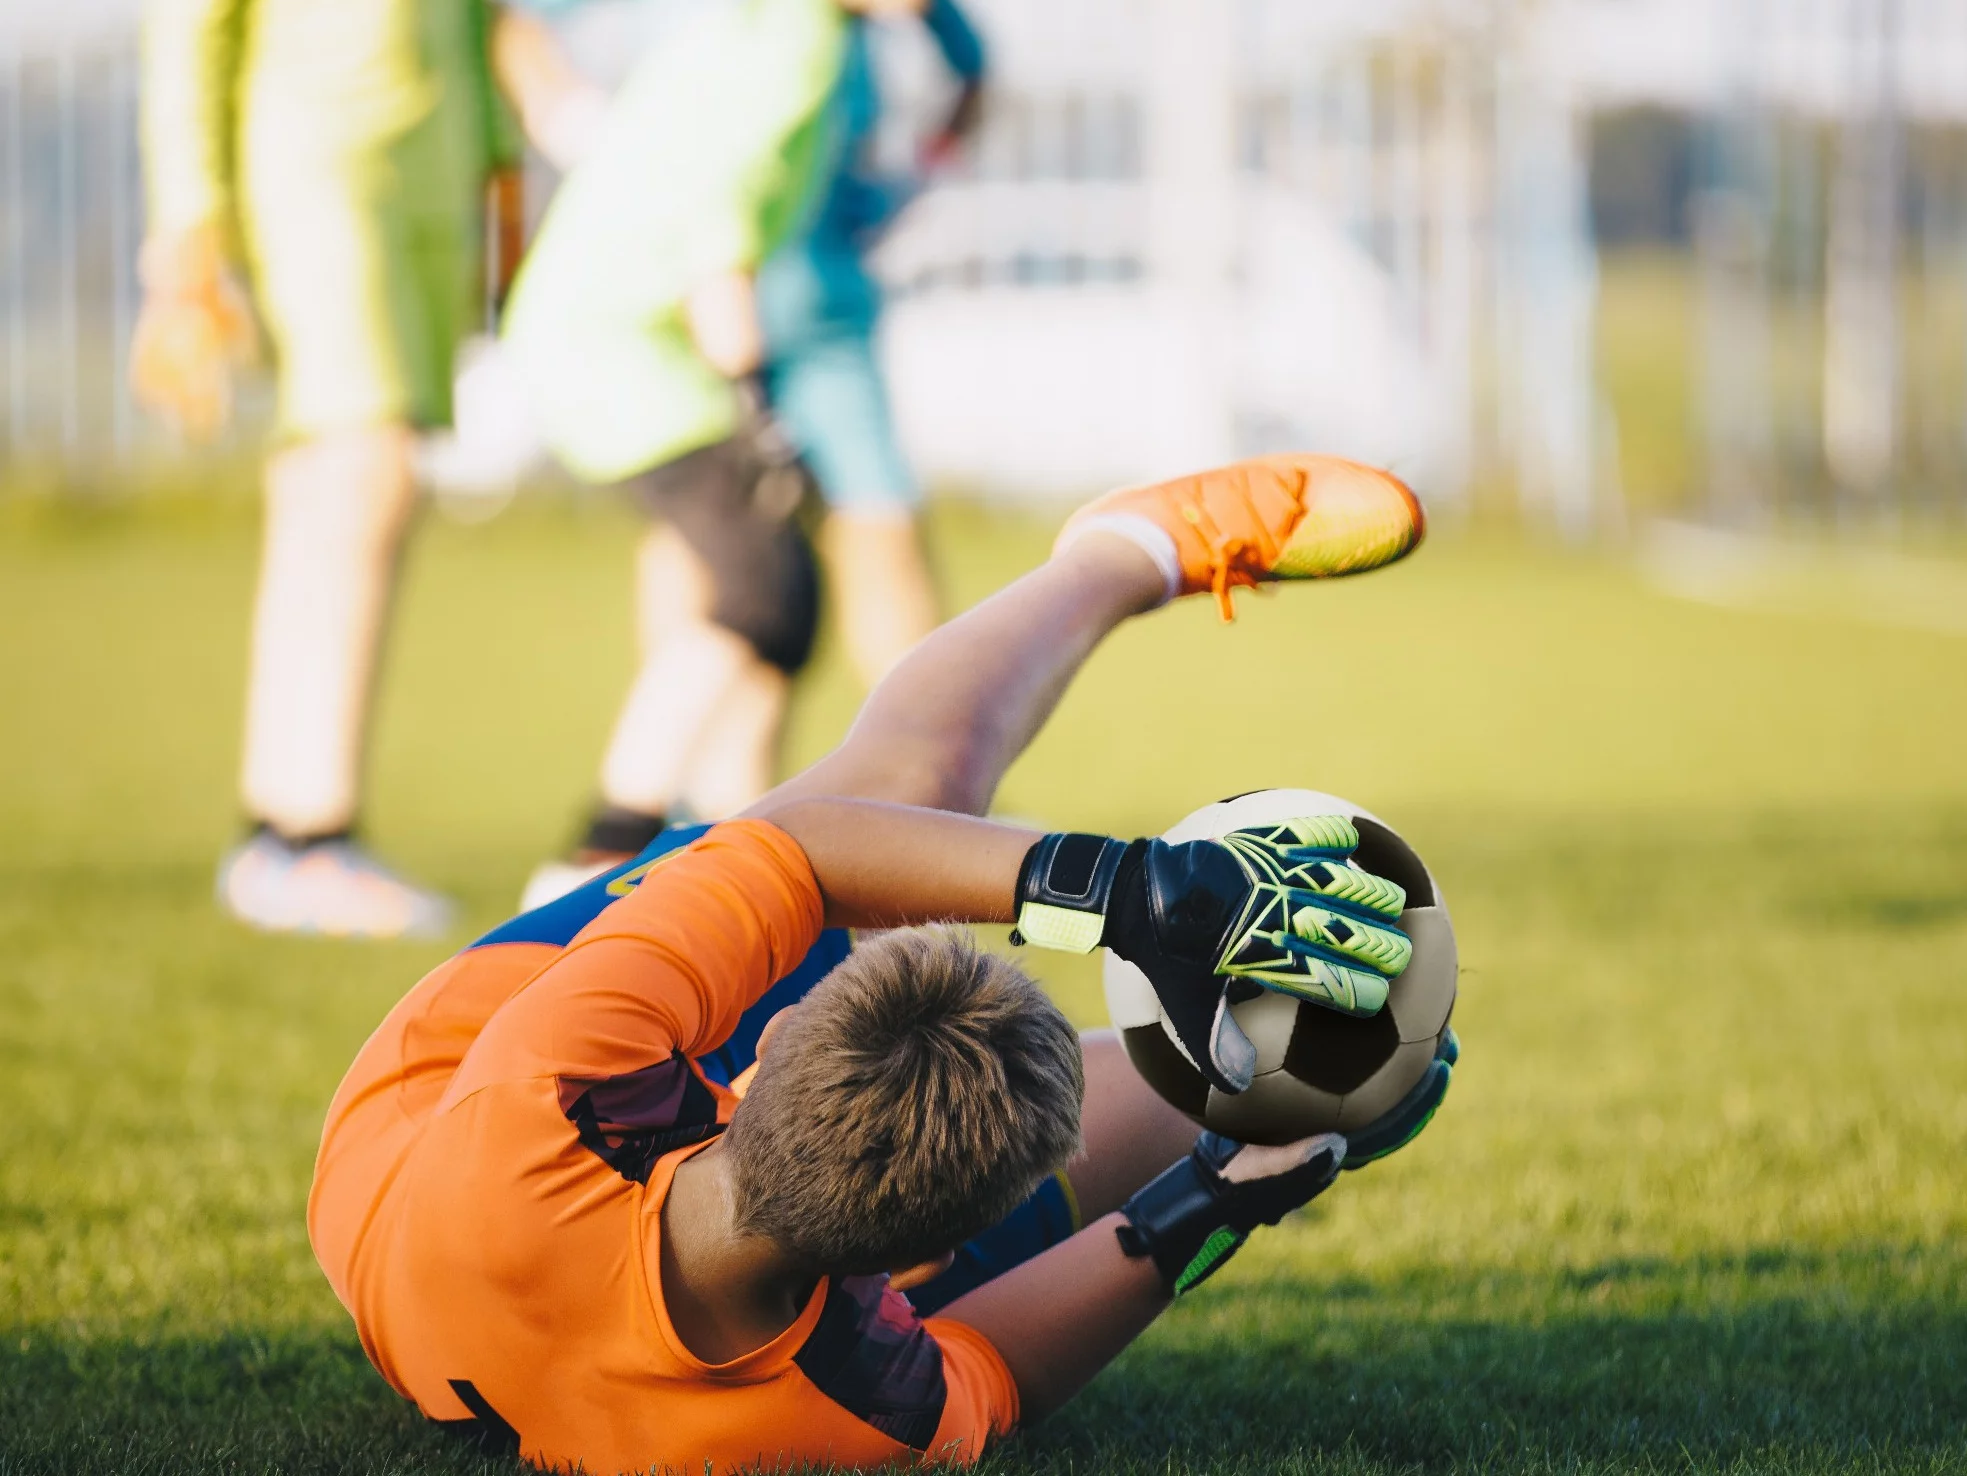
{"x": 1317, "y": 1070}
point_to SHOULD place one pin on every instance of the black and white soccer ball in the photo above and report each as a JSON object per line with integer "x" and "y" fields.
{"x": 1317, "y": 1070}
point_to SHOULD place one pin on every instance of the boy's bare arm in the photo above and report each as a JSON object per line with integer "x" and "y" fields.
{"x": 722, "y": 312}
{"x": 888, "y": 866}
{"x": 559, "y": 109}
{"x": 1061, "y": 1317}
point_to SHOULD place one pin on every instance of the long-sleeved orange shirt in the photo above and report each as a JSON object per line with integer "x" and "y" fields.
{"x": 487, "y": 1200}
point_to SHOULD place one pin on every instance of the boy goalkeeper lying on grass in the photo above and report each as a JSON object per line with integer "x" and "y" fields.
{"x": 663, "y": 1175}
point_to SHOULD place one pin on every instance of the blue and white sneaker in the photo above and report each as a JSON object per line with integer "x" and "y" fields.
{"x": 333, "y": 888}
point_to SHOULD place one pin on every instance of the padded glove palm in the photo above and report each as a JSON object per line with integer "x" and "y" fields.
{"x": 1281, "y": 907}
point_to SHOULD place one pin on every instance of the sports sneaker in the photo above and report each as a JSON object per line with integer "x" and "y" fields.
{"x": 552, "y": 880}
{"x": 334, "y": 888}
{"x": 1276, "y": 517}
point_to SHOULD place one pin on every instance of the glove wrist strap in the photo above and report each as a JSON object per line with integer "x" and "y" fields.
{"x": 1063, "y": 890}
{"x": 1178, "y": 1219}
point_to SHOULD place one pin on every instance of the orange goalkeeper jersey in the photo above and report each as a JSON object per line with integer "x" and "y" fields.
{"x": 487, "y": 1200}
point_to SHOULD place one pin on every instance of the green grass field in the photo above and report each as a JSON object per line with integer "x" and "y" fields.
{"x": 1698, "y": 1200}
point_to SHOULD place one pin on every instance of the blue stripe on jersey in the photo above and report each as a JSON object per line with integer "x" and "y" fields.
{"x": 559, "y": 920}
{"x": 1041, "y": 1222}
{"x": 741, "y": 1049}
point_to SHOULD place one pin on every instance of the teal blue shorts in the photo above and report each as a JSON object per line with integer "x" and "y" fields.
{"x": 827, "y": 392}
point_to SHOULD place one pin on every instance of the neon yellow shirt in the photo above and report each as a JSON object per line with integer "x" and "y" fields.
{"x": 709, "y": 158}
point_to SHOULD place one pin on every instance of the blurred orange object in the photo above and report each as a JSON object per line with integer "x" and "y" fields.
{"x": 193, "y": 329}
{"x": 505, "y": 230}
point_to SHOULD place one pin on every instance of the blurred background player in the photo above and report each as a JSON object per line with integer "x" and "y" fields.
{"x": 819, "y": 306}
{"x": 636, "y": 325}
{"x": 340, "y": 155}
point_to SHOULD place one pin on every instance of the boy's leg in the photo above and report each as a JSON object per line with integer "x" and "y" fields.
{"x": 946, "y": 723}
{"x": 336, "y": 508}
{"x": 727, "y": 585}
{"x": 727, "y": 599}
{"x": 883, "y": 594}
{"x": 944, "y": 726}
{"x": 690, "y": 671}
{"x": 827, "y": 391}
{"x": 737, "y": 758}
{"x": 688, "y": 665}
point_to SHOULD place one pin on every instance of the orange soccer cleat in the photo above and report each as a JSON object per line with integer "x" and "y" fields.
{"x": 1275, "y": 517}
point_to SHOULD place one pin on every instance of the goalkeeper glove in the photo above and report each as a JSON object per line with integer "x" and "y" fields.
{"x": 1279, "y": 906}
{"x": 1198, "y": 1213}
{"x": 1401, "y": 1123}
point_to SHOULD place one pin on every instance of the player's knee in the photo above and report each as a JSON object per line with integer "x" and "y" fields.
{"x": 767, "y": 590}
{"x": 737, "y": 511}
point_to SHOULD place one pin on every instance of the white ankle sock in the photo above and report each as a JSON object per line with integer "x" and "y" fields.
{"x": 1145, "y": 534}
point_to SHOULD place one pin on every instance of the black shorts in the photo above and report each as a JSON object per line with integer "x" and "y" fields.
{"x": 737, "y": 504}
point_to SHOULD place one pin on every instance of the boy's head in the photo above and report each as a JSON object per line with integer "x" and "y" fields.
{"x": 916, "y": 1096}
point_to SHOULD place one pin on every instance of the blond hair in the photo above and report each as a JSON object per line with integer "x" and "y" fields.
{"x": 919, "y": 1093}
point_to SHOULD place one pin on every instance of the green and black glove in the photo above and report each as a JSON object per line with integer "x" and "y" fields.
{"x": 1280, "y": 907}
{"x": 1195, "y": 1215}
{"x": 1401, "y": 1123}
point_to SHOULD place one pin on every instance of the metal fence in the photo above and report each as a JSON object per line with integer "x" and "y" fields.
{"x": 1831, "y": 246}
{"x": 70, "y": 219}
